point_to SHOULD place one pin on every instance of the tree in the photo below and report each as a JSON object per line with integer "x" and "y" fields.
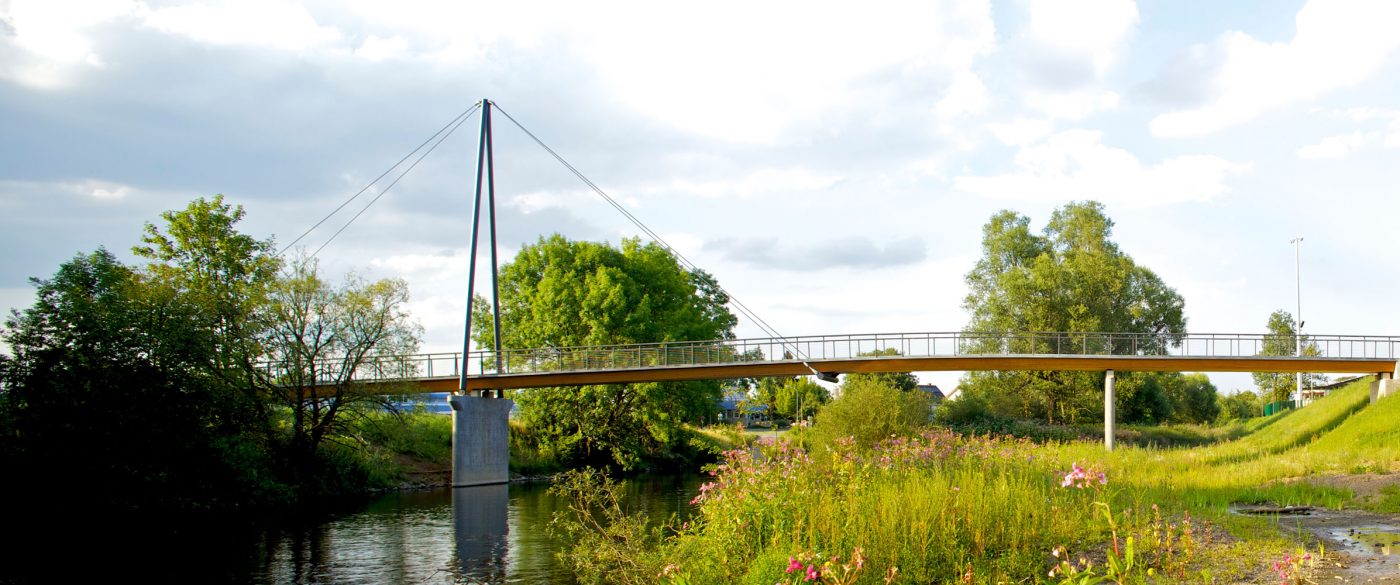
{"x": 902, "y": 381}
{"x": 108, "y": 380}
{"x": 792, "y": 398}
{"x": 559, "y": 293}
{"x": 323, "y": 338}
{"x": 870, "y": 410}
{"x": 1072, "y": 278}
{"x": 205, "y": 261}
{"x": 1194, "y": 399}
{"x": 1282, "y": 340}
{"x": 1240, "y": 405}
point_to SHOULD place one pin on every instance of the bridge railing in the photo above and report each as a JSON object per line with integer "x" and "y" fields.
{"x": 866, "y": 346}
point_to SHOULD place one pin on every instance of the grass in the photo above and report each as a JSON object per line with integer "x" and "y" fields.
{"x": 943, "y": 507}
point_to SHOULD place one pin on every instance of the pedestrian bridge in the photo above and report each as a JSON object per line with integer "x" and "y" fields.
{"x": 830, "y": 355}
{"x": 480, "y": 433}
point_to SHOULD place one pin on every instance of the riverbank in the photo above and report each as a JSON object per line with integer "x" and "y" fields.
{"x": 939, "y": 507}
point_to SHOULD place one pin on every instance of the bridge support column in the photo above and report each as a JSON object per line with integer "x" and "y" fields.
{"x": 1108, "y": 414}
{"x": 480, "y": 440}
{"x": 1386, "y": 384}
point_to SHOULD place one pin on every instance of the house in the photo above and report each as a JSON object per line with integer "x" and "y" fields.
{"x": 936, "y": 396}
{"x": 738, "y": 406}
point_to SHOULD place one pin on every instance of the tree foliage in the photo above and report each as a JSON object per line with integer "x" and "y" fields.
{"x": 1282, "y": 340}
{"x": 870, "y": 410}
{"x": 322, "y": 339}
{"x": 902, "y": 381}
{"x": 155, "y": 381}
{"x": 794, "y": 398}
{"x": 1070, "y": 278}
{"x": 110, "y": 380}
{"x": 559, "y": 293}
{"x": 1240, "y": 405}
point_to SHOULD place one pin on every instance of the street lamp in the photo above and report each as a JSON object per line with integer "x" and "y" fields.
{"x": 1298, "y": 331}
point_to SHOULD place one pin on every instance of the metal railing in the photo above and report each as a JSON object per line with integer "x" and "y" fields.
{"x": 866, "y": 346}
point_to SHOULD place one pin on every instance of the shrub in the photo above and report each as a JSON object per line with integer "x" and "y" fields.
{"x": 870, "y": 410}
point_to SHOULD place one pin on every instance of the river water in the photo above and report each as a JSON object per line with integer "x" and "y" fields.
{"x": 479, "y": 535}
{"x": 489, "y": 534}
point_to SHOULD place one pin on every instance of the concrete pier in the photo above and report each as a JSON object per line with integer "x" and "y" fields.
{"x": 480, "y": 440}
{"x": 1109, "y": 420}
{"x": 1386, "y": 384}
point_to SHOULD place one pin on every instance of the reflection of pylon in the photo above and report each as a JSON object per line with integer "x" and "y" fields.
{"x": 485, "y": 167}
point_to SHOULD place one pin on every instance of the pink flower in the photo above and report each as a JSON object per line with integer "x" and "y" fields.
{"x": 1080, "y": 478}
{"x": 812, "y": 573}
{"x": 793, "y": 565}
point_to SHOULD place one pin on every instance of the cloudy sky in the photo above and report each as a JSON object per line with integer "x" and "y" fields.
{"x": 832, "y": 166}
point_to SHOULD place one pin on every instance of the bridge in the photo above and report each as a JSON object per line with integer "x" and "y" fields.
{"x": 830, "y": 355}
{"x": 481, "y": 433}
{"x": 480, "y": 439}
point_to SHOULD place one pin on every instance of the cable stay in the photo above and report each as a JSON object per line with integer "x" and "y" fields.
{"x": 744, "y": 309}
{"x": 439, "y": 136}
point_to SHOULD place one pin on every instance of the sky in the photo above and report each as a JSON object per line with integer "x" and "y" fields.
{"x": 831, "y": 166}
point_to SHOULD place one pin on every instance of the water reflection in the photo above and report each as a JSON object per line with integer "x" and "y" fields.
{"x": 479, "y": 523}
{"x": 480, "y": 535}
{"x": 477, "y": 535}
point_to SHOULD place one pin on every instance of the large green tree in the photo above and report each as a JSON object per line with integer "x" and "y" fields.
{"x": 559, "y": 293}
{"x": 202, "y": 258}
{"x": 1282, "y": 340}
{"x": 109, "y": 382}
{"x": 322, "y": 339}
{"x": 1070, "y": 278}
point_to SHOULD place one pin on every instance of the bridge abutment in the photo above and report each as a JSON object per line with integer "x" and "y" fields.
{"x": 1109, "y": 418}
{"x": 480, "y": 440}
{"x": 1386, "y": 384}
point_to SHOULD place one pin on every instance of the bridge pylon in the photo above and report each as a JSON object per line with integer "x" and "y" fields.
{"x": 481, "y": 424}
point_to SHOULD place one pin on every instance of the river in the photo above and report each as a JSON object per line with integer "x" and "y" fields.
{"x": 479, "y": 535}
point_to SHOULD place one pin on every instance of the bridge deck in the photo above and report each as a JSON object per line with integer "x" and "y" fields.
{"x": 871, "y": 353}
{"x": 922, "y": 364}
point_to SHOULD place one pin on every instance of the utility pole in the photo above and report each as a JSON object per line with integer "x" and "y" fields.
{"x": 1298, "y": 331}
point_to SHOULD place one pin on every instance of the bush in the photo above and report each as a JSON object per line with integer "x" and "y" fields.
{"x": 870, "y": 410}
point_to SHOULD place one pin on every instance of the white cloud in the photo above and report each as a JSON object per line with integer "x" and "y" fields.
{"x": 1091, "y": 30}
{"x": 278, "y": 24}
{"x": 728, "y": 69}
{"x": 1069, "y": 46}
{"x": 87, "y": 188}
{"x": 1338, "y": 146}
{"x": 1339, "y": 43}
{"x": 376, "y": 48}
{"x": 1021, "y": 131}
{"x": 967, "y": 96}
{"x": 55, "y": 29}
{"x": 736, "y": 78}
{"x": 1074, "y": 164}
{"x": 51, "y": 38}
{"x": 535, "y": 201}
{"x": 761, "y": 182}
{"x": 1071, "y": 105}
{"x": 56, "y": 36}
{"x": 1391, "y": 118}
{"x": 110, "y": 192}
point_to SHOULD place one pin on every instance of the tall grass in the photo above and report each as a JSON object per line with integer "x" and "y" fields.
{"x": 948, "y": 508}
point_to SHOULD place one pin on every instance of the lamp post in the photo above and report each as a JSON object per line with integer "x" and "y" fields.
{"x": 1298, "y": 331}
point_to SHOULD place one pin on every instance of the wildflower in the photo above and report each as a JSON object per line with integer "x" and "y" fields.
{"x": 1080, "y": 478}
{"x": 793, "y": 565}
{"x": 812, "y": 573}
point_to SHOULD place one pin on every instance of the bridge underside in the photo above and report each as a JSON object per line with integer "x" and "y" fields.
{"x": 921, "y": 364}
